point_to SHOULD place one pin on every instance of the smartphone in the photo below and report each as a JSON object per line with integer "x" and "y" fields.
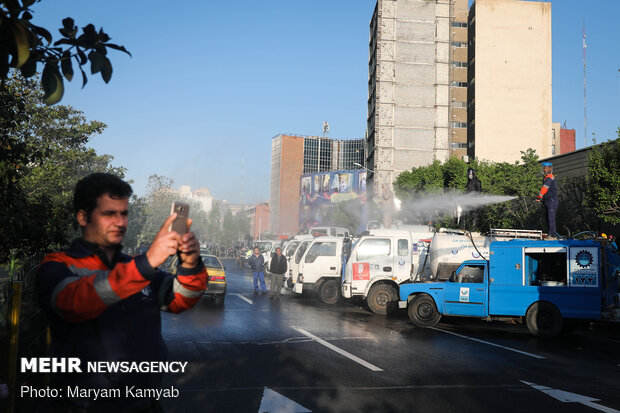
{"x": 180, "y": 224}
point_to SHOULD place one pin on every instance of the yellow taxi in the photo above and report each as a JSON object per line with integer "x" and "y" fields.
{"x": 216, "y": 279}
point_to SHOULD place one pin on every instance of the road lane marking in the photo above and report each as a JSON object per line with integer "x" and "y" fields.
{"x": 273, "y": 401}
{"x": 291, "y": 340}
{"x": 244, "y": 299}
{"x": 339, "y": 350}
{"x": 567, "y": 397}
{"x": 490, "y": 344}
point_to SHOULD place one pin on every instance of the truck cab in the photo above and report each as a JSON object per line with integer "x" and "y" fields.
{"x": 319, "y": 269}
{"x": 328, "y": 231}
{"x": 549, "y": 285}
{"x": 382, "y": 259}
{"x": 290, "y": 252}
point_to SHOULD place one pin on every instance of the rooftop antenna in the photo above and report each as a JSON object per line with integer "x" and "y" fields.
{"x": 325, "y": 128}
{"x": 585, "y": 118}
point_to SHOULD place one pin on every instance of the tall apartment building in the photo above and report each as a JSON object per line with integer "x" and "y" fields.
{"x": 417, "y": 85}
{"x": 293, "y": 156}
{"x": 509, "y": 79}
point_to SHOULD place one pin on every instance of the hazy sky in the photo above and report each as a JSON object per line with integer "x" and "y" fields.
{"x": 211, "y": 82}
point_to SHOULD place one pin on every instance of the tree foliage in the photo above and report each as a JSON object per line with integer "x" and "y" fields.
{"x": 603, "y": 190}
{"x": 24, "y": 45}
{"x": 519, "y": 179}
{"x": 42, "y": 156}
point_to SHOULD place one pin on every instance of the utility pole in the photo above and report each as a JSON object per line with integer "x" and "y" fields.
{"x": 585, "y": 117}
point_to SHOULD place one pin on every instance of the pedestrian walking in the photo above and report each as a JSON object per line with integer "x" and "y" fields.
{"x": 549, "y": 197}
{"x": 103, "y": 305}
{"x": 277, "y": 269}
{"x": 256, "y": 264}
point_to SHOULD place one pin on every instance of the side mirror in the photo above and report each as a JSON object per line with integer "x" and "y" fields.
{"x": 452, "y": 277}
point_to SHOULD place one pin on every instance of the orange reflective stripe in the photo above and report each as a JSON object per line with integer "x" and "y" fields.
{"x": 194, "y": 282}
{"x": 78, "y": 300}
{"x": 94, "y": 287}
{"x": 181, "y": 303}
{"x": 126, "y": 280}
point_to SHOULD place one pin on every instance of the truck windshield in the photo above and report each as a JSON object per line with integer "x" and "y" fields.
{"x": 321, "y": 249}
{"x": 300, "y": 251}
{"x": 372, "y": 248}
{"x": 290, "y": 249}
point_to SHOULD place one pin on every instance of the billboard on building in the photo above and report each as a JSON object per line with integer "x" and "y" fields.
{"x": 320, "y": 191}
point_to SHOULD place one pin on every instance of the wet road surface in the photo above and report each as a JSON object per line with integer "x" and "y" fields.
{"x": 255, "y": 354}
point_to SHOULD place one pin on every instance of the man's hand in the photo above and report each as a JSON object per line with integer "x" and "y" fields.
{"x": 189, "y": 251}
{"x": 538, "y": 199}
{"x": 164, "y": 245}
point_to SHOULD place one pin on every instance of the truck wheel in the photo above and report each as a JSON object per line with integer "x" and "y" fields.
{"x": 329, "y": 292}
{"x": 423, "y": 312}
{"x": 544, "y": 320}
{"x": 382, "y": 299}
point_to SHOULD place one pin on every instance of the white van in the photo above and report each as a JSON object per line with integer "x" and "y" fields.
{"x": 380, "y": 260}
{"x": 290, "y": 251}
{"x": 329, "y": 231}
{"x": 319, "y": 269}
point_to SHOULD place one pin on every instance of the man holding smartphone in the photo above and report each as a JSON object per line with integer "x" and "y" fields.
{"x": 103, "y": 305}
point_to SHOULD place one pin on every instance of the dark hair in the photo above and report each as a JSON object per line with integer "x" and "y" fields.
{"x": 91, "y": 187}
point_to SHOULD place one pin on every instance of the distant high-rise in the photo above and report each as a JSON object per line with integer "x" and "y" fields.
{"x": 293, "y": 156}
{"x": 417, "y": 85}
{"x": 509, "y": 79}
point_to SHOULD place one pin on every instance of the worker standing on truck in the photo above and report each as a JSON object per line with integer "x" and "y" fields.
{"x": 549, "y": 197}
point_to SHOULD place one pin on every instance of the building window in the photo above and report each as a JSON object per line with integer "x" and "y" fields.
{"x": 552, "y": 149}
{"x": 456, "y": 104}
{"x": 458, "y": 145}
{"x": 458, "y": 124}
{"x": 458, "y": 24}
{"x": 459, "y": 64}
{"x": 459, "y": 44}
{"x": 459, "y": 84}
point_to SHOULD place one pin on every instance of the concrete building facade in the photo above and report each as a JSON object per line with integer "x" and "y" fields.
{"x": 201, "y": 195}
{"x": 562, "y": 139}
{"x": 259, "y": 219}
{"x": 509, "y": 95}
{"x": 293, "y": 156}
{"x": 417, "y": 85}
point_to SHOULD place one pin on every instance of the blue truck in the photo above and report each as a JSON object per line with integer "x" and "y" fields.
{"x": 551, "y": 286}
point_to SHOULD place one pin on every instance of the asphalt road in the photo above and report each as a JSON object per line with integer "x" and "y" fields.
{"x": 298, "y": 354}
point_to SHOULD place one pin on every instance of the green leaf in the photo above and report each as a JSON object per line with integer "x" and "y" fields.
{"x": 84, "y": 78}
{"x": 29, "y": 68}
{"x": 96, "y": 62}
{"x": 22, "y": 46}
{"x": 117, "y": 47}
{"x": 64, "y": 41}
{"x": 68, "y": 23}
{"x": 41, "y": 32}
{"x": 82, "y": 55}
{"x": 52, "y": 84}
{"x": 65, "y": 64}
{"x": 106, "y": 70}
{"x": 103, "y": 37}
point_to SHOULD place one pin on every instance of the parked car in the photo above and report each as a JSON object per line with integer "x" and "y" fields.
{"x": 216, "y": 276}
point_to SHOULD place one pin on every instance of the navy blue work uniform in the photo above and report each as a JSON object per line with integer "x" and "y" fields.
{"x": 549, "y": 195}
